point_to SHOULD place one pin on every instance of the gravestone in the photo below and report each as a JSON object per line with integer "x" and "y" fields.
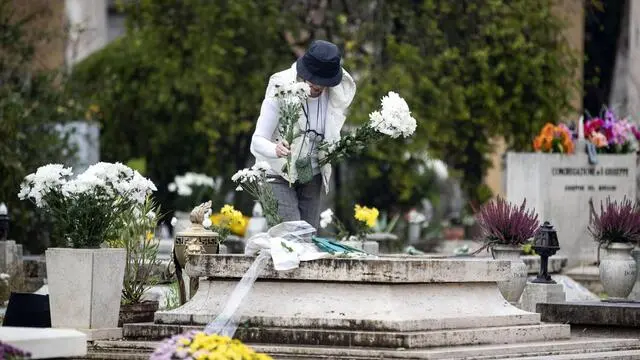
{"x": 84, "y": 137}
{"x": 410, "y": 303}
{"x": 559, "y": 188}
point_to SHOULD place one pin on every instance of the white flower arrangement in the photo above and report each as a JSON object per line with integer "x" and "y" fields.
{"x": 193, "y": 188}
{"x": 255, "y": 182}
{"x": 415, "y": 217}
{"x": 326, "y": 218}
{"x": 393, "y": 119}
{"x": 290, "y": 98}
{"x": 86, "y": 209}
{"x": 185, "y": 184}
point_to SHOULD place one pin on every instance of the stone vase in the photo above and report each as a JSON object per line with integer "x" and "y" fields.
{"x": 415, "y": 230}
{"x": 199, "y": 235}
{"x": 85, "y": 287}
{"x": 618, "y": 270}
{"x": 511, "y": 289}
{"x": 635, "y": 293}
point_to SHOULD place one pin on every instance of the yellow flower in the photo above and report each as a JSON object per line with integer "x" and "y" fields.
{"x": 149, "y": 236}
{"x": 367, "y": 215}
{"x": 230, "y": 218}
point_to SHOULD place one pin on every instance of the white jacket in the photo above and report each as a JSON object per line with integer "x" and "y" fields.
{"x": 339, "y": 99}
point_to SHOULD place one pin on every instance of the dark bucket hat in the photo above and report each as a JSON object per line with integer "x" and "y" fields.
{"x": 320, "y": 65}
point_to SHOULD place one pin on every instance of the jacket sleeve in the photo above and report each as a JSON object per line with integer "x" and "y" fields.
{"x": 266, "y": 125}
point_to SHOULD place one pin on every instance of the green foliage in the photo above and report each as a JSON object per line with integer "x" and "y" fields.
{"x": 32, "y": 104}
{"x": 471, "y": 71}
{"x": 184, "y": 87}
{"x": 137, "y": 237}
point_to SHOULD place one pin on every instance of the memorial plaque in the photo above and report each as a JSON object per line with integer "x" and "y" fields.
{"x": 559, "y": 188}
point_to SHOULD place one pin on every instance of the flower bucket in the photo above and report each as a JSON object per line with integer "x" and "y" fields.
{"x": 85, "y": 286}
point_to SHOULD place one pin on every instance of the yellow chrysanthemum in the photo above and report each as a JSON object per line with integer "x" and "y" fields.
{"x": 230, "y": 218}
{"x": 369, "y": 216}
{"x": 215, "y": 347}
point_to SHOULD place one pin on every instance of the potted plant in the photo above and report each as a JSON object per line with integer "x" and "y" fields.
{"x": 616, "y": 228}
{"x": 505, "y": 229}
{"x": 137, "y": 237}
{"x": 85, "y": 280}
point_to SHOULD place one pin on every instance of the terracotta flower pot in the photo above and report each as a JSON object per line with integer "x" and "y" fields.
{"x": 453, "y": 233}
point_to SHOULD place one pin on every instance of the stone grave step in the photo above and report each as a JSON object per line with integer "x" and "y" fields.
{"x": 609, "y": 355}
{"x": 45, "y": 343}
{"x": 576, "y": 348}
{"x": 409, "y": 339}
{"x": 600, "y": 313}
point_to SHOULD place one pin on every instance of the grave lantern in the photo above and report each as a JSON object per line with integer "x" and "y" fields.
{"x": 4, "y": 222}
{"x": 545, "y": 244}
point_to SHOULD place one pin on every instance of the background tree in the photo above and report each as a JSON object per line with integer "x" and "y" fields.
{"x": 183, "y": 88}
{"x": 33, "y": 104}
{"x": 470, "y": 70}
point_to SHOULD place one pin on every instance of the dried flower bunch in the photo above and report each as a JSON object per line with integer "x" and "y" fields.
{"x": 617, "y": 222}
{"x": 503, "y": 223}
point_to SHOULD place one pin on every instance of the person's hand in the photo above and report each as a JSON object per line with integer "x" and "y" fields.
{"x": 282, "y": 149}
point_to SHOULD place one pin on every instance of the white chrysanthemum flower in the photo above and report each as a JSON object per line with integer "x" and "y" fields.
{"x": 207, "y": 223}
{"x": 293, "y": 93}
{"x": 172, "y": 187}
{"x": 261, "y": 165}
{"x": 239, "y": 188}
{"x": 139, "y": 187}
{"x": 137, "y": 213}
{"x": 184, "y": 184}
{"x": 247, "y": 175}
{"x": 325, "y": 218}
{"x": 151, "y": 215}
{"x": 84, "y": 184}
{"x": 45, "y": 179}
{"x": 394, "y": 118}
{"x": 4, "y": 276}
{"x": 174, "y": 221}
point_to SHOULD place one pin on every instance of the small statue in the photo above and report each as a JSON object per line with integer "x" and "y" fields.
{"x": 199, "y": 213}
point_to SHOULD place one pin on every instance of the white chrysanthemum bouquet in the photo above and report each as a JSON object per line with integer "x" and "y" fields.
{"x": 393, "y": 119}
{"x": 290, "y": 98}
{"x": 254, "y": 181}
{"x": 87, "y": 209}
{"x": 193, "y": 188}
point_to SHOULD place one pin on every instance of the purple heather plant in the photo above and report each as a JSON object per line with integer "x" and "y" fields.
{"x": 505, "y": 224}
{"x": 617, "y": 222}
{"x": 8, "y": 352}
